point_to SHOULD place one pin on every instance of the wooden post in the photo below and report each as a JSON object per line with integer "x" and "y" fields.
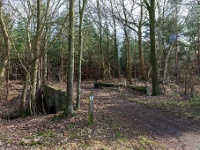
{"x": 148, "y": 91}
{"x": 91, "y": 110}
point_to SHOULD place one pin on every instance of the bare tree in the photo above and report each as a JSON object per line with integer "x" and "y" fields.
{"x": 100, "y": 38}
{"x": 6, "y": 51}
{"x": 70, "y": 70}
{"x": 115, "y": 41}
{"x": 127, "y": 45}
{"x": 80, "y": 51}
{"x": 40, "y": 17}
{"x": 140, "y": 46}
{"x": 155, "y": 85}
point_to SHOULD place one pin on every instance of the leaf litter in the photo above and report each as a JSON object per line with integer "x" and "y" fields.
{"x": 116, "y": 126}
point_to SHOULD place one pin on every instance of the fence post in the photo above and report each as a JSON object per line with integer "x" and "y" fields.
{"x": 91, "y": 109}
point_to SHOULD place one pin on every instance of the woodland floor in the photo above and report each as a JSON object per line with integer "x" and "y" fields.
{"x": 118, "y": 124}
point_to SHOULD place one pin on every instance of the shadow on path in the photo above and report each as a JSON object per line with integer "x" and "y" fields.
{"x": 173, "y": 132}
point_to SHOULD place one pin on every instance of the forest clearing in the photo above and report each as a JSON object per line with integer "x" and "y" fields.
{"x": 100, "y": 74}
{"x": 122, "y": 120}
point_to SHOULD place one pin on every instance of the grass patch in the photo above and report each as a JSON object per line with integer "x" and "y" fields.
{"x": 188, "y": 109}
{"x": 39, "y": 139}
{"x": 8, "y": 141}
{"x": 46, "y": 133}
{"x": 32, "y": 143}
{"x": 37, "y": 143}
{"x": 146, "y": 143}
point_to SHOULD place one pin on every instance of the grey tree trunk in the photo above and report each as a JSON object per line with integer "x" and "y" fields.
{"x": 107, "y": 48}
{"x": 81, "y": 10}
{"x": 128, "y": 57}
{"x": 154, "y": 74}
{"x": 115, "y": 43}
{"x": 6, "y": 52}
{"x": 141, "y": 56}
{"x": 35, "y": 64}
{"x": 35, "y": 78}
{"x": 44, "y": 57}
{"x": 166, "y": 65}
{"x": 100, "y": 41}
{"x": 23, "y": 108}
{"x": 177, "y": 44}
{"x": 127, "y": 47}
{"x": 26, "y": 82}
{"x": 70, "y": 72}
{"x": 198, "y": 42}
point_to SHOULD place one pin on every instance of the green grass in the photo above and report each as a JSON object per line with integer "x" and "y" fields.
{"x": 39, "y": 139}
{"x": 46, "y": 133}
{"x": 33, "y": 143}
{"x": 146, "y": 143}
{"x": 37, "y": 143}
{"x": 181, "y": 108}
{"x": 8, "y": 141}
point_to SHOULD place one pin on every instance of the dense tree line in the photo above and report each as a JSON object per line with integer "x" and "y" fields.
{"x": 68, "y": 41}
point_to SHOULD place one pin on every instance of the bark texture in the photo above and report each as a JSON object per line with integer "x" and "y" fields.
{"x": 6, "y": 52}
{"x": 154, "y": 74}
{"x": 70, "y": 72}
{"x": 80, "y": 51}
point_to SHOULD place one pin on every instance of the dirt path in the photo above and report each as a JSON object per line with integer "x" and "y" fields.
{"x": 119, "y": 124}
{"x": 165, "y": 129}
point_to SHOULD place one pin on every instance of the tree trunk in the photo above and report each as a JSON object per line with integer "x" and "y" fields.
{"x": 154, "y": 75}
{"x": 115, "y": 43}
{"x": 177, "y": 44}
{"x": 108, "y": 75}
{"x": 35, "y": 63}
{"x": 127, "y": 47}
{"x": 7, "y": 77}
{"x": 44, "y": 69}
{"x": 141, "y": 56}
{"x": 128, "y": 59}
{"x": 6, "y": 53}
{"x": 34, "y": 77}
{"x": 100, "y": 41}
{"x": 70, "y": 72}
{"x": 81, "y": 10}
{"x": 44, "y": 57}
{"x": 23, "y": 108}
{"x": 198, "y": 43}
{"x": 166, "y": 60}
{"x": 186, "y": 70}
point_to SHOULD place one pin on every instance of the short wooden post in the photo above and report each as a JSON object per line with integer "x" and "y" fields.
{"x": 91, "y": 109}
{"x": 148, "y": 91}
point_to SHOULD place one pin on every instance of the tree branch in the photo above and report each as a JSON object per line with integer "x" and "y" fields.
{"x": 147, "y": 5}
